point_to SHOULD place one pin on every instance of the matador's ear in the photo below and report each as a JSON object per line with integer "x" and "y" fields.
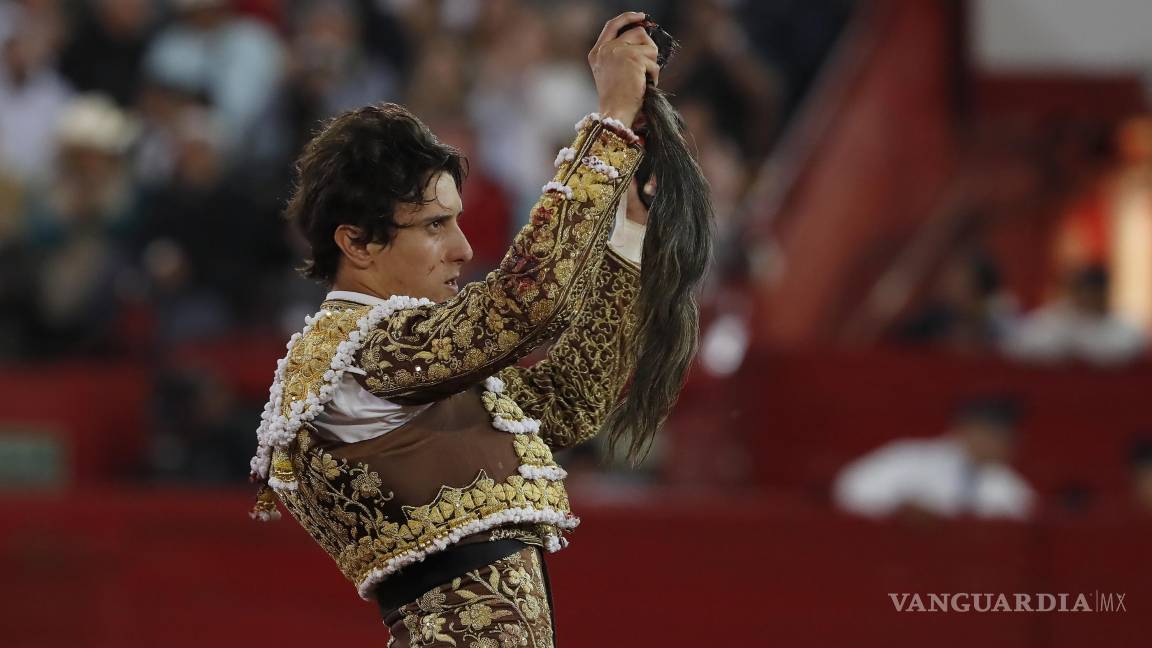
{"x": 352, "y": 242}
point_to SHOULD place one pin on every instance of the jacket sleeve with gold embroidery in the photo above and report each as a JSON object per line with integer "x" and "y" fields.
{"x": 572, "y": 391}
{"x": 426, "y": 353}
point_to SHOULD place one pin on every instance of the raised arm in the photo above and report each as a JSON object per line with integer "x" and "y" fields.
{"x": 574, "y": 388}
{"x": 425, "y": 353}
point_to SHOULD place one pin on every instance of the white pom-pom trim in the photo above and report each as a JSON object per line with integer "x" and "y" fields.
{"x": 523, "y": 426}
{"x": 277, "y": 430}
{"x": 551, "y": 473}
{"x": 558, "y": 187}
{"x": 281, "y": 485}
{"x": 615, "y": 124}
{"x": 554, "y": 543}
{"x": 265, "y": 516}
{"x": 600, "y": 166}
{"x": 566, "y": 154}
{"x": 520, "y": 515}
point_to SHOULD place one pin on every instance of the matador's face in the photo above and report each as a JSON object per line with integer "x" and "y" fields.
{"x": 428, "y": 252}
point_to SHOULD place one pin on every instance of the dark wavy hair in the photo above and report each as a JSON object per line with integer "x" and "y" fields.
{"x": 677, "y": 249}
{"x": 355, "y": 171}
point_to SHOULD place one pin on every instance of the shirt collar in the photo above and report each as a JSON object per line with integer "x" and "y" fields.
{"x": 354, "y": 297}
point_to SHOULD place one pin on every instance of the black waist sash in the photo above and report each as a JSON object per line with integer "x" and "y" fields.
{"x": 409, "y": 583}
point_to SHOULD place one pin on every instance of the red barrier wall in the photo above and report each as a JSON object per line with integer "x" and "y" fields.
{"x": 95, "y": 412}
{"x": 179, "y": 569}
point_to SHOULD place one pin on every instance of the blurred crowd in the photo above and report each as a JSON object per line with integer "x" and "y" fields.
{"x": 146, "y": 146}
{"x": 146, "y": 152}
{"x": 1092, "y": 182}
{"x": 1097, "y": 306}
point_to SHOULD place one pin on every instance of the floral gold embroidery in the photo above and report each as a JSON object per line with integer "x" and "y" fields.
{"x": 367, "y": 484}
{"x": 477, "y": 616}
{"x": 607, "y": 148}
{"x": 311, "y": 357}
{"x": 332, "y": 509}
{"x": 442, "y": 348}
{"x": 572, "y": 391}
{"x": 512, "y": 635}
{"x": 564, "y": 270}
{"x": 473, "y": 358}
{"x": 589, "y": 185}
{"x": 532, "y": 450}
{"x": 431, "y": 601}
{"x": 430, "y": 628}
{"x": 326, "y": 465}
{"x": 501, "y": 605}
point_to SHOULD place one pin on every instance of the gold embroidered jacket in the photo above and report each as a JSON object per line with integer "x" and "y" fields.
{"x": 477, "y": 464}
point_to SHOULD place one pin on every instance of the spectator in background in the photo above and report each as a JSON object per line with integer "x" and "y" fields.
{"x": 558, "y": 84}
{"x": 718, "y": 64}
{"x": 200, "y": 429}
{"x": 17, "y": 294}
{"x": 191, "y": 268}
{"x": 235, "y": 63}
{"x": 80, "y": 223}
{"x": 1110, "y": 225}
{"x": 384, "y": 34}
{"x": 439, "y": 80}
{"x": 1140, "y": 469}
{"x": 32, "y": 94}
{"x": 162, "y": 111}
{"x": 969, "y": 310}
{"x": 511, "y": 146}
{"x": 106, "y": 52}
{"x": 329, "y": 71}
{"x": 966, "y": 472}
{"x": 1078, "y": 326}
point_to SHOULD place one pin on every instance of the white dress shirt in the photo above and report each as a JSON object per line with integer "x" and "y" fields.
{"x": 933, "y": 474}
{"x": 1058, "y": 332}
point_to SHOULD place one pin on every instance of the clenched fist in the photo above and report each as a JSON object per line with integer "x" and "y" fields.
{"x": 621, "y": 64}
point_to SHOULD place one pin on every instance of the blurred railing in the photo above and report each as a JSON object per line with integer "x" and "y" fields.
{"x": 866, "y": 159}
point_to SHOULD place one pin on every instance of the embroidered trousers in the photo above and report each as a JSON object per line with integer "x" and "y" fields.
{"x": 502, "y": 605}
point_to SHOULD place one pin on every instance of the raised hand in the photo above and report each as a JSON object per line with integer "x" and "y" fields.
{"x": 621, "y": 65}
